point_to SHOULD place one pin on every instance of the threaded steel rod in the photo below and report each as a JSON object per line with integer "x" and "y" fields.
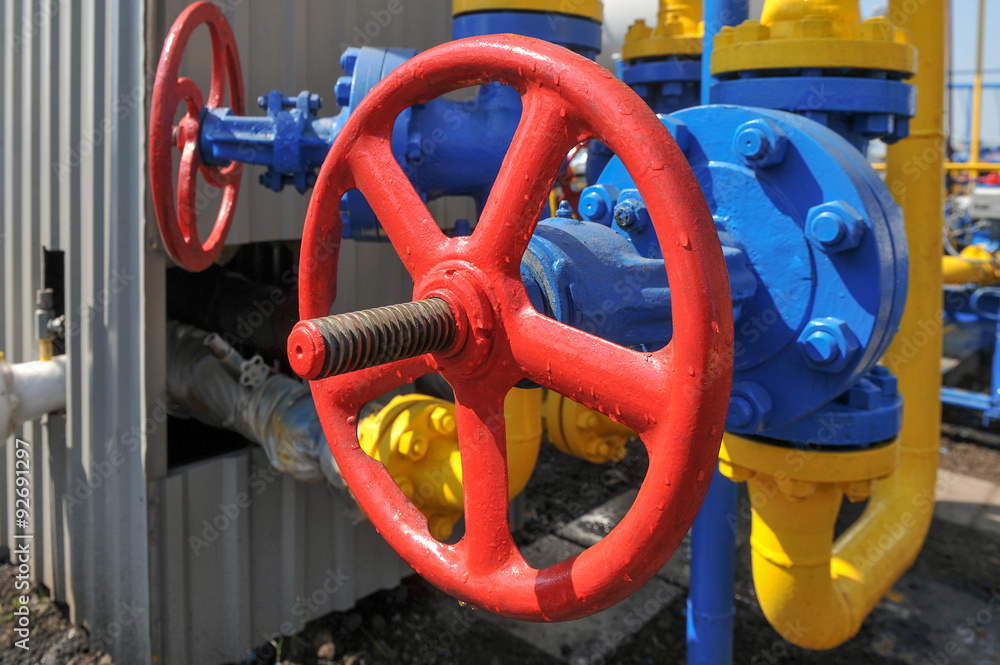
{"x": 333, "y": 345}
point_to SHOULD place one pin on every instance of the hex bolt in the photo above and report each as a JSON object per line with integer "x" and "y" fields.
{"x": 262, "y": 102}
{"x": 565, "y": 210}
{"x": 828, "y": 344}
{"x": 412, "y": 445}
{"x": 749, "y": 406}
{"x": 315, "y": 102}
{"x": 442, "y": 420}
{"x": 821, "y": 347}
{"x": 834, "y": 227}
{"x": 348, "y": 60}
{"x": 625, "y": 214}
{"x": 760, "y": 143}
{"x": 332, "y": 345}
{"x": 592, "y": 205}
{"x": 342, "y": 91}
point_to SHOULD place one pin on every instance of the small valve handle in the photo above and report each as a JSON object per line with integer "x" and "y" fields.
{"x": 179, "y": 223}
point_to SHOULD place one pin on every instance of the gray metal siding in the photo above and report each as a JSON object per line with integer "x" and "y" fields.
{"x": 112, "y": 527}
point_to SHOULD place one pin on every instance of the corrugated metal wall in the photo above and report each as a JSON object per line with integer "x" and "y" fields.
{"x": 72, "y": 119}
{"x": 113, "y": 528}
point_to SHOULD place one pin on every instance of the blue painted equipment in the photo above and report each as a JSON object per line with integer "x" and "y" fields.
{"x": 819, "y": 317}
{"x": 446, "y": 148}
{"x": 858, "y": 108}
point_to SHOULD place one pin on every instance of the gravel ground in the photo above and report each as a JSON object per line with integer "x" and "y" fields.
{"x": 953, "y": 579}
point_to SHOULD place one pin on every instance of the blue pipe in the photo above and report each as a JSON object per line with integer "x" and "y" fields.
{"x": 713, "y": 540}
{"x": 713, "y": 574}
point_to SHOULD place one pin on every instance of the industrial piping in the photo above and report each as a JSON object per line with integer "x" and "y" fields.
{"x": 30, "y": 390}
{"x": 814, "y": 594}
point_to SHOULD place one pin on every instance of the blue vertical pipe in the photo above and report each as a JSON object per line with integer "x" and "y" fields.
{"x": 713, "y": 536}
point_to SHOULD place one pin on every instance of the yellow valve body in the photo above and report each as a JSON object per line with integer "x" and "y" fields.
{"x": 795, "y": 34}
{"x": 592, "y": 9}
{"x": 678, "y": 31}
{"x": 580, "y": 432}
{"x": 416, "y": 438}
{"x": 975, "y": 265}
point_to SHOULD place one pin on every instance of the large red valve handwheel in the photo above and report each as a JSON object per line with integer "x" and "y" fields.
{"x": 179, "y": 225}
{"x": 676, "y": 398}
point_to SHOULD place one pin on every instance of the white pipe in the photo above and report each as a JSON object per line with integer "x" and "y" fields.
{"x": 30, "y": 390}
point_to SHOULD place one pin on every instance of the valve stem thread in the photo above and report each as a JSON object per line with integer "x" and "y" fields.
{"x": 359, "y": 340}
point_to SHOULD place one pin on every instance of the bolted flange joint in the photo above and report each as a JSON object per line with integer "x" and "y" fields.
{"x": 334, "y": 345}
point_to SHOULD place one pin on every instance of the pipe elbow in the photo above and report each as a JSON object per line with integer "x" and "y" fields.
{"x": 813, "y": 590}
{"x": 974, "y": 265}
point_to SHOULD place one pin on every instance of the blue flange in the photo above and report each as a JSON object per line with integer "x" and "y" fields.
{"x": 574, "y": 32}
{"x": 825, "y": 243}
{"x": 860, "y": 108}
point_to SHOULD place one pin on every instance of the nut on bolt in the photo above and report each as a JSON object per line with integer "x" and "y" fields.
{"x": 412, "y": 445}
{"x": 760, "y": 143}
{"x": 828, "y": 344}
{"x": 443, "y": 420}
{"x": 835, "y": 227}
{"x": 749, "y": 407}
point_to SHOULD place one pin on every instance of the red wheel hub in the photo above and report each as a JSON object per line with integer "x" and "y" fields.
{"x": 675, "y": 398}
{"x": 179, "y": 226}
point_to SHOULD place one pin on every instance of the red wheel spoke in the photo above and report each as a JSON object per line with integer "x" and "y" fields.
{"x": 568, "y": 361}
{"x": 482, "y": 438}
{"x": 187, "y": 193}
{"x": 547, "y": 132}
{"x": 369, "y": 384}
{"x": 409, "y": 225}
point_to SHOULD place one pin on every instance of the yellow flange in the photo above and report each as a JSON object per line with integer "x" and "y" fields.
{"x": 580, "y": 432}
{"x": 678, "y": 31}
{"x": 795, "y": 34}
{"x": 416, "y": 438}
{"x": 798, "y": 472}
{"x": 592, "y": 9}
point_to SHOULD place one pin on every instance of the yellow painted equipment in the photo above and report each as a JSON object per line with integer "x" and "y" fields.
{"x": 814, "y": 591}
{"x": 578, "y": 431}
{"x": 678, "y": 31}
{"x": 592, "y": 9}
{"x": 975, "y": 265}
{"x": 416, "y": 438}
{"x": 813, "y": 33}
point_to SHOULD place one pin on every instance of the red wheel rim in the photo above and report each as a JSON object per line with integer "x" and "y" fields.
{"x": 179, "y": 223}
{"x": 675, "y": 398}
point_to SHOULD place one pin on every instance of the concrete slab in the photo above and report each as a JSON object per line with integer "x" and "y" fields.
{"x": 989, "y": 519}
{"x": 961, "y": 499}
{"x": 596, "y": 638}
{"x": 588, "y": 529}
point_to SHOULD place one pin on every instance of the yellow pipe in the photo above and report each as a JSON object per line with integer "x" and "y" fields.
{"x": 813, "y": 591}
{"x": 974, "y": 266}
{"x": 523, "y": 415}
{"x": 846, "y": 11}
{"x": 685, "y": 12}
{"x": 977, "y": 92}
{"x": 957, "y": 166}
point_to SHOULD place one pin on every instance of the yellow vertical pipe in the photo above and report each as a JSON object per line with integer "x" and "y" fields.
{"x": 915, "y": 354}
{"x": 977, "y": 93}
{"x": 816, "y": 592}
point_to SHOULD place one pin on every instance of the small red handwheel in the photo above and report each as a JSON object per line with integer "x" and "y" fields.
{"x": 179, "y": 226}
{"x": 675, "y": 398}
